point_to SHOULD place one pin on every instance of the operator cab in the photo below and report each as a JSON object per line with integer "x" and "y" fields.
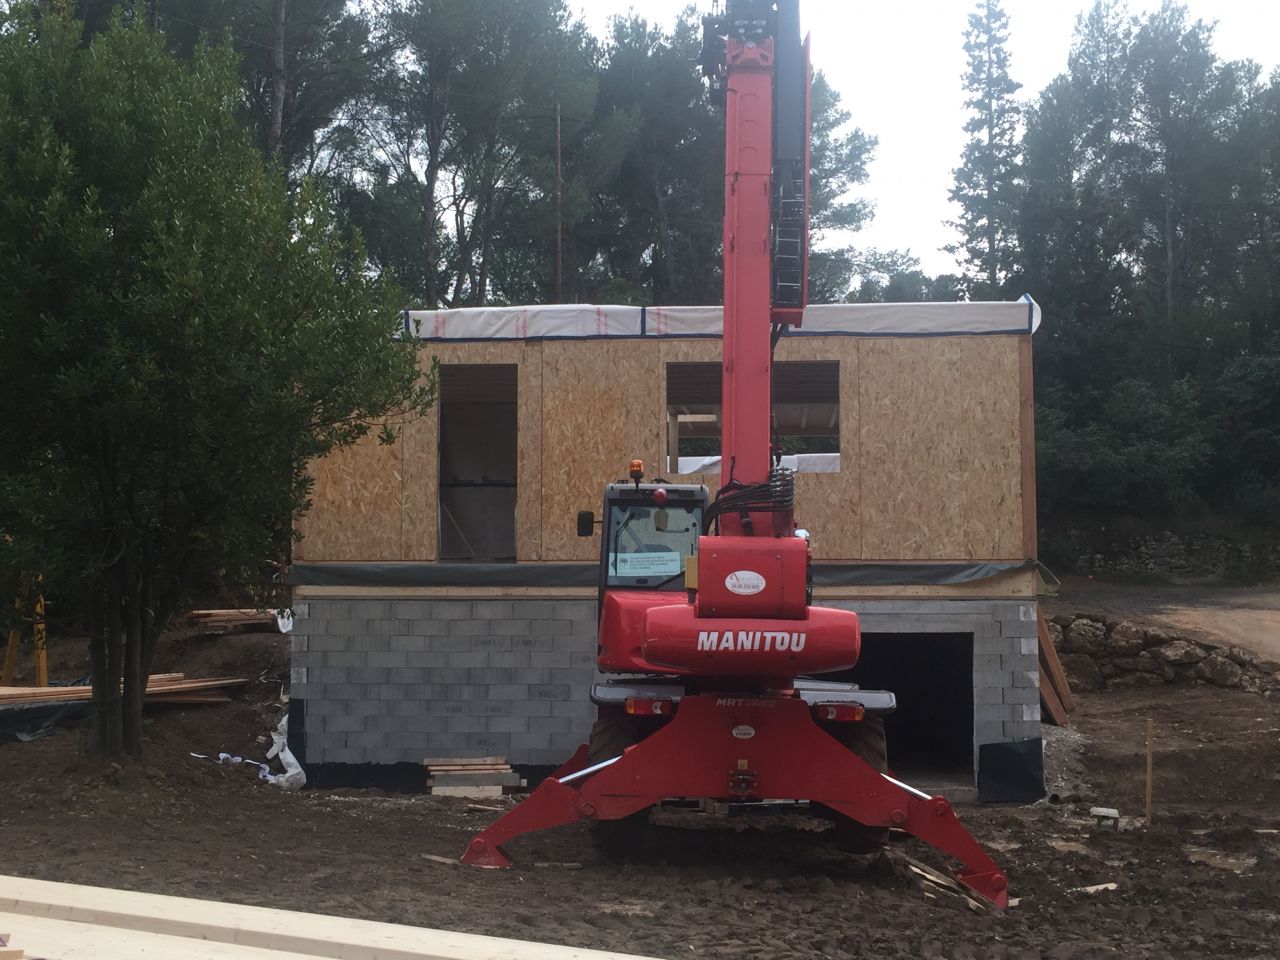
{"x": 648, "y": 531}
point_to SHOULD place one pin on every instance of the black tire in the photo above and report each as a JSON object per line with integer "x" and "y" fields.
{"x": 866, "y": 739}
{"x": 611, "y": 734}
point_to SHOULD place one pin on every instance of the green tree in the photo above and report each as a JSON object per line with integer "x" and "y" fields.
{"x": 987, "y": 180}
{"x": 305, "y": 67}
{"x": 178, "y": 339}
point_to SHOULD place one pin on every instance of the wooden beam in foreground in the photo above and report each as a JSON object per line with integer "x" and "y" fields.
{"x": 124, "y": 920}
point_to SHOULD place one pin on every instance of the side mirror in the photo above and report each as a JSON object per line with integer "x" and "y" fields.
{"x": 586, "y": 523}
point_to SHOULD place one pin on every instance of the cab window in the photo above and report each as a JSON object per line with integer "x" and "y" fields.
{"x": 647, "y": 545}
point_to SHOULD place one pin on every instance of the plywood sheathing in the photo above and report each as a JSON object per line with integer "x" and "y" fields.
{"x": 1027, "y": 420}
{"x": 355, "y": 504}
{"x": 604, "y": 406}
{"x": 940, "y": 448}
{"x": 936, "y": 444}
{"x": 829, "y": 505}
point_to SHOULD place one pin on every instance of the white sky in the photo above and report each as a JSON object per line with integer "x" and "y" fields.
{"x": 898, "y": 67}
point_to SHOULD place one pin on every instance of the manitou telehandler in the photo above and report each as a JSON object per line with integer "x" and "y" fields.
{"x": 706, "y": 622}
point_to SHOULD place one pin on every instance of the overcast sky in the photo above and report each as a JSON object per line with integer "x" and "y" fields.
{"x": 898, "y": 67}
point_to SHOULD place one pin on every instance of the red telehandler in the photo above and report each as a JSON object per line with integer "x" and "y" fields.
{"x": 706, "y": 624}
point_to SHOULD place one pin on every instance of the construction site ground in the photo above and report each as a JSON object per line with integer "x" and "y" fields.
{"x": 1202, "y": 881}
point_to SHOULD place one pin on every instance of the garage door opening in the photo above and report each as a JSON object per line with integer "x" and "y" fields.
{"x": 478, "y": 457}
{"x": 930, "y": 737}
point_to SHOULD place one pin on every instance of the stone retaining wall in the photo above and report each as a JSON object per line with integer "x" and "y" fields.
{"x": 1099, "y": 653}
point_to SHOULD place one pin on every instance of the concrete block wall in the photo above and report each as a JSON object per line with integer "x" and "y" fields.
{"x": 394, "y": 681}
{"x": 1006, "y": 663}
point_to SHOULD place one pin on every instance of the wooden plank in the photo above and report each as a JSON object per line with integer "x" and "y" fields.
{"x": 1051, "y": 665}
{"x": 475, "y": 793}
{"x": 489, "y": 778}
{"x": 13, "y": 695}
{"x": 1050, "y": 703}
{"x": 1019, "y": 583}
{"x": 1027, "y": 432}
{"x": 449, "y": 761}
{"x": 245, "y": 932}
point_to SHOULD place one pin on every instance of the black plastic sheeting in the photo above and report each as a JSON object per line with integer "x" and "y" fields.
{"x": 399, "y": 574}
{"x": 31, "y": 721}
{"x": 1011, "y": 772}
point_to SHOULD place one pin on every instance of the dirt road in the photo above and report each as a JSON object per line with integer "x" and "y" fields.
{"x": 1247, "y": 617}
{"x": 1203, "y": 882}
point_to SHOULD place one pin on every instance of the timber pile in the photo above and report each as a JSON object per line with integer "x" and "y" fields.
{"x": 1055, "y": 692}
{"x": 478, "y": 778}
{"x": 161, "y": 688}
{"x": 232, "y": 621}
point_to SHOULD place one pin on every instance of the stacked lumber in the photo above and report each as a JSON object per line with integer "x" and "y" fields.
{"x": 1056, "y": 701}
{"x": 230, "y": 621}
{"x": 478, "y": 778}
{"x": 161, "y": 688}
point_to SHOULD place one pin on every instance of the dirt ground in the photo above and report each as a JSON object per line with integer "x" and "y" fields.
{"x": 1203, "y": 881}
{"x": 1246, "y": 617}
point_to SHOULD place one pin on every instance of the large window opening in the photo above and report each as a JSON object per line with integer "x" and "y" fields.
{"x": 806, "y": 408}
{"x": 930, "y": 736}
{"x": 478, "y": 462}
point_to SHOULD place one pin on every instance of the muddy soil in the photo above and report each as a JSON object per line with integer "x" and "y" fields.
{"x": 1203, "y": 881}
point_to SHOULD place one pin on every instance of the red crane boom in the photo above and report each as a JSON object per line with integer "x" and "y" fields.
{"x": 711, "y": 697}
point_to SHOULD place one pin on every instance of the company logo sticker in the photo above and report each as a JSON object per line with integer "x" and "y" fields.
{"x": 744, "y": 582}
{"x": 744, "y": 731}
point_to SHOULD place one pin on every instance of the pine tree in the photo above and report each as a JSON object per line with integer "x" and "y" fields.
{"x": 987, "y": 180}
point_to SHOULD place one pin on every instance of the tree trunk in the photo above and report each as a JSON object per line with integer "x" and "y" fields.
{"x": 277, "y": 78}
{"x": 135, "y": 679}
{"x": 98, "y": 677}
{"x": 112, "y": 735}
{"x": 664, "y": 242}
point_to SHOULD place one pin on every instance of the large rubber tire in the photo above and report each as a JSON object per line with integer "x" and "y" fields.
{"x": 611, "y": 734}
{"x": 866, "y": 739}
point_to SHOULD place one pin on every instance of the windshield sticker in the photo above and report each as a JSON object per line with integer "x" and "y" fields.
{"x": 656, "y": 564}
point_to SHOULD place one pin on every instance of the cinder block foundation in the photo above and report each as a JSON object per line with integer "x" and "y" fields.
{"x": 380, "y": 681}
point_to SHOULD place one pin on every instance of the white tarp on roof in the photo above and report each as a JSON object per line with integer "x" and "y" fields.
{"x": 581, "y": 320}
{"x": 799, "y": 462}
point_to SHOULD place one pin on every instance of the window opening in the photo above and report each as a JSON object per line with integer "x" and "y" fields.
{"x": 806, "y": 408}
{"x": 478, "y": 456}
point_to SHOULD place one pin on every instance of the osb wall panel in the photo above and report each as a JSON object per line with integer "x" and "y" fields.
{"x": 931, "y": 467}
{"x": 828, "y": 505}
{"x": 355, "y": 504}
{"x": 420, "y": 519}
{"x": 603, "y": 405}
{"x": 939, "y": 449}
